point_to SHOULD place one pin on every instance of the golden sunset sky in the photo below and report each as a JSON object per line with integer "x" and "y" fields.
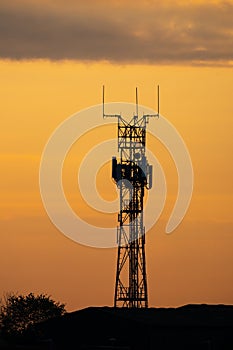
{"x": 54, "y": 58}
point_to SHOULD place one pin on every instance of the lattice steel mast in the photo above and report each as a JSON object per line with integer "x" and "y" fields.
{"x": 132, "y": 174}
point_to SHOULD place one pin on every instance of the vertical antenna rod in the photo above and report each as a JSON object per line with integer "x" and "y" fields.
{"x": 136, "y": 101}
{"x": 158, "y": 99}
{"x": 103, "y": 101}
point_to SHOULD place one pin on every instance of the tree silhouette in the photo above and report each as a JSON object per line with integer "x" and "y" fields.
{"x": 19, "y": 313}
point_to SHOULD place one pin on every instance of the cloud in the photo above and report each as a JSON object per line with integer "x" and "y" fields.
{"x": 146, "y": 33}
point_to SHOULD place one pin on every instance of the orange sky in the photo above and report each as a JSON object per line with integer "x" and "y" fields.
{"x": 192, "y": 265}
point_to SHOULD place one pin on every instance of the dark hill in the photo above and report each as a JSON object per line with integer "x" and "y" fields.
{"x": 187, "y": 327}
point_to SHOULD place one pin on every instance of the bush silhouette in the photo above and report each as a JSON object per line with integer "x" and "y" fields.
{"x": 19, "y": 313}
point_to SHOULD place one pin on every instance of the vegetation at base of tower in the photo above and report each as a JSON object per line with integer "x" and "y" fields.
{"x": 19, "y": 313}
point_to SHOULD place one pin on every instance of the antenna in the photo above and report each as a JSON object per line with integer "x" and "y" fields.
{"x": 158, "y": 98}
{"x": 136, "y": 102}
{"x": 154, "y": 115}
{"x": 108, "y": 115}
{"x": 103, "y": 102}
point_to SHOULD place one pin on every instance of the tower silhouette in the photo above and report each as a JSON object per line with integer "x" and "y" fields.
{"x": 132, "y": 175}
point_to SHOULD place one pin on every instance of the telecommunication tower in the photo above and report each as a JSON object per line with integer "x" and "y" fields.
{"x": 132, "y": 175}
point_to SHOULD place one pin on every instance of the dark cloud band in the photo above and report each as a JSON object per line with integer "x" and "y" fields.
{"x": 152, "y": 34}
